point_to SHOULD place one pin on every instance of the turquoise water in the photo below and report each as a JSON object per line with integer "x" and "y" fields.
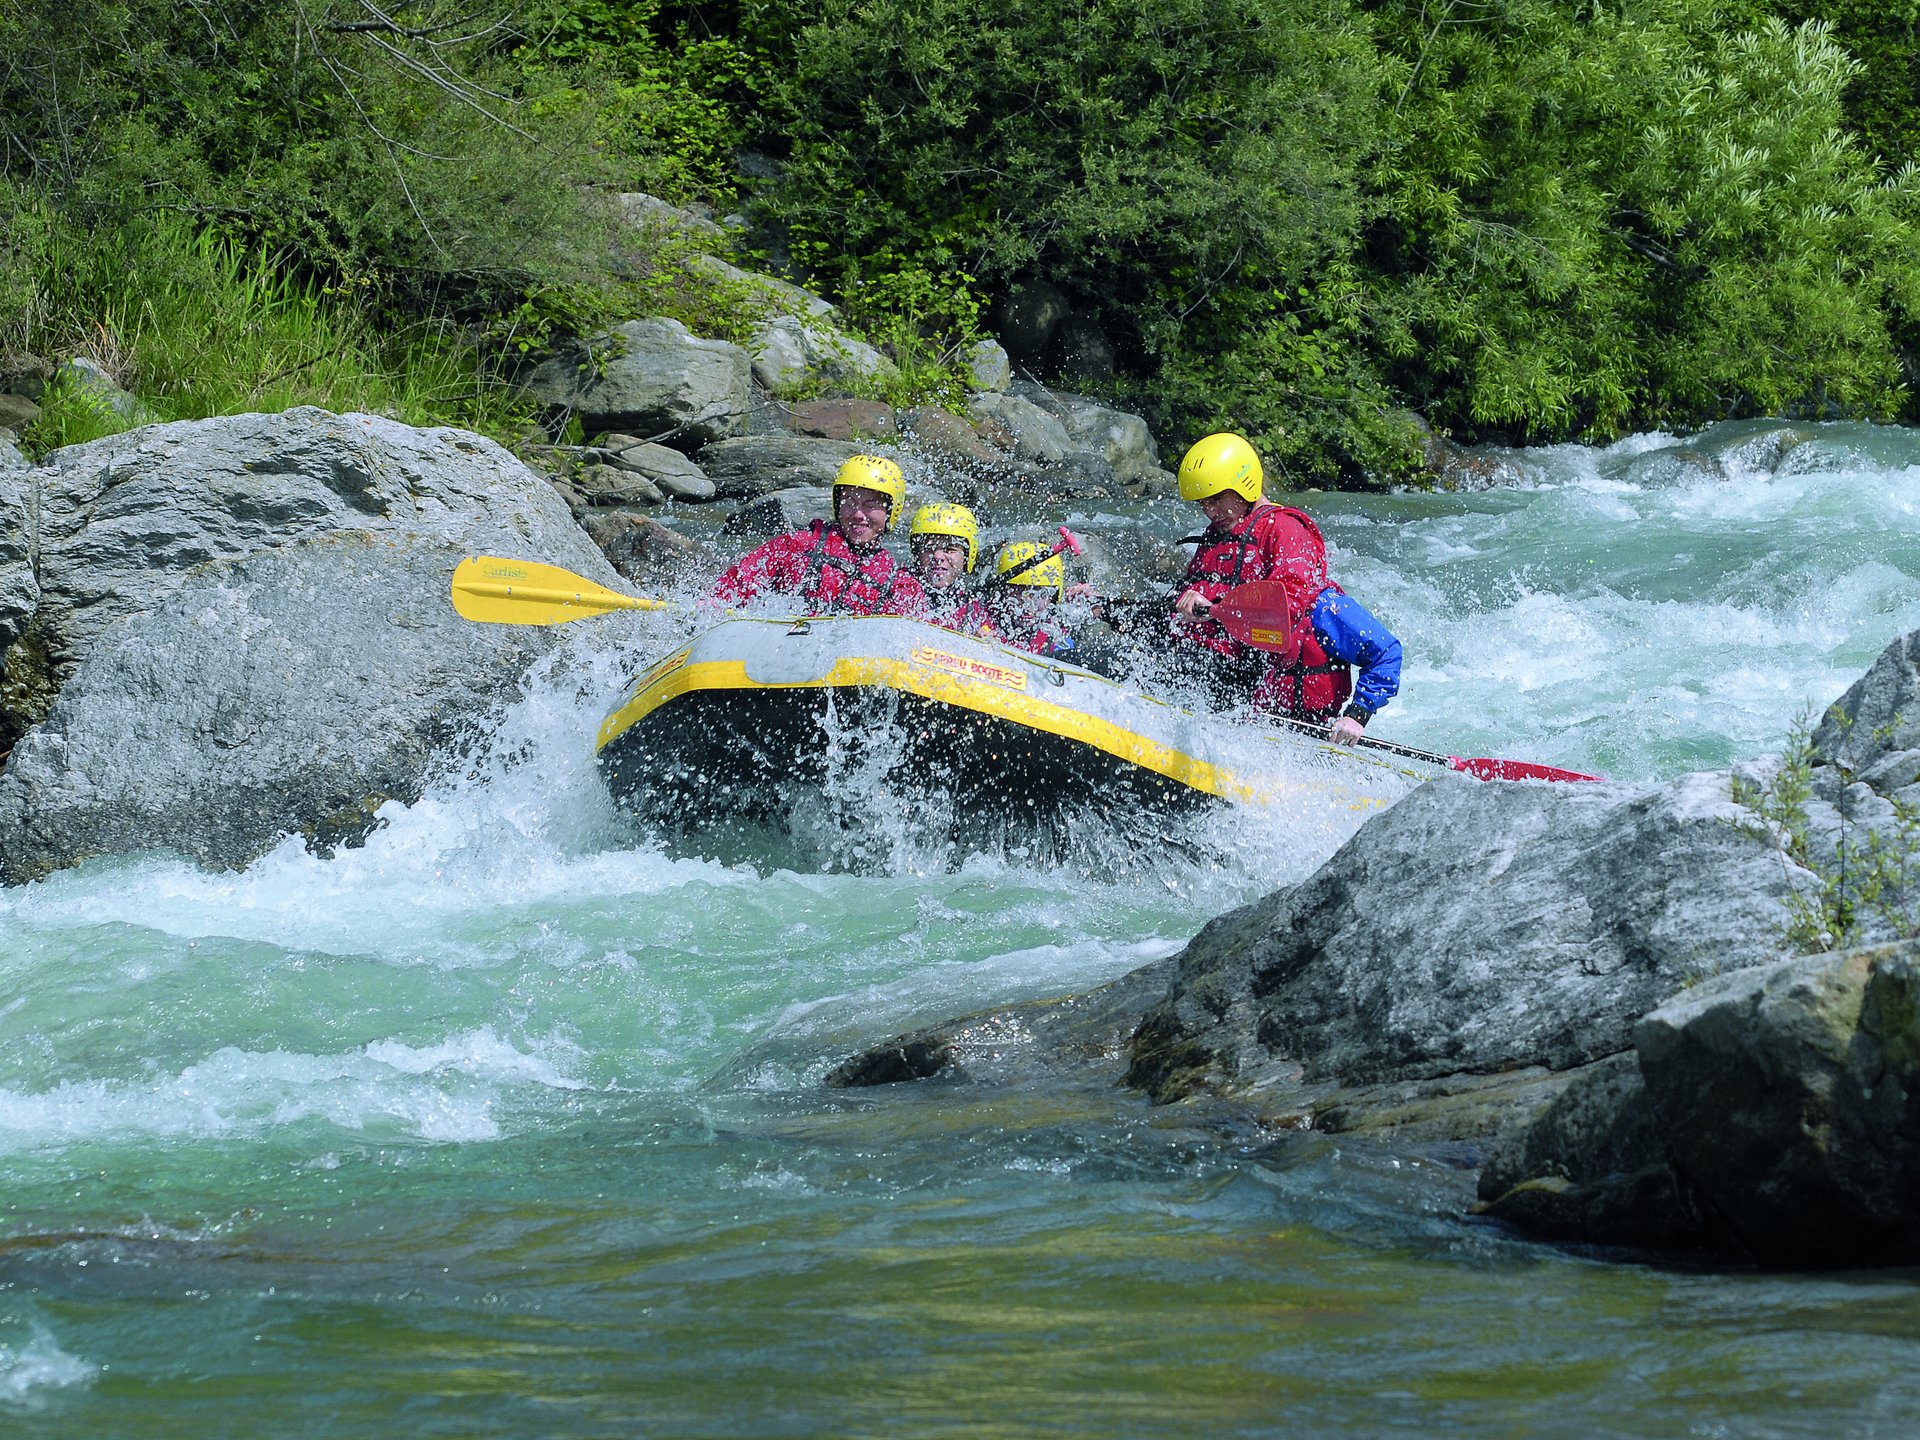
{"x": 510, "y": 1123}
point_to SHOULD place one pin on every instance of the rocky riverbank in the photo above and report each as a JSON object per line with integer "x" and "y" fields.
{"x": 1587, "y": 991}
{"x": 217, "y": 634}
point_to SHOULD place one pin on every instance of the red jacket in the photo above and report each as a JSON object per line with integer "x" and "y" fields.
{"x": 829, "y": 575}
{"x": 956, "y": 610}
{"x": 1270, "y": 542}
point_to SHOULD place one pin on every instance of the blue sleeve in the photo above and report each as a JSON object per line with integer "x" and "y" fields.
{"x": 1349, "y": 633}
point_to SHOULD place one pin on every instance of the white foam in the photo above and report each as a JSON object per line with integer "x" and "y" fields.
{"x": 31, "y": 1368}
{"x": 446, "y": 1091}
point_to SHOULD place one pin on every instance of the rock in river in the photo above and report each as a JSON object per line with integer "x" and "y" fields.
{"x": 245, "y": 622}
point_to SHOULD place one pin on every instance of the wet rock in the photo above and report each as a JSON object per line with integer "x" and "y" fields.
{"x": 844, "y": 420}
{"x": 295, "y": 690}
{"x": 642, "y": 549}
{"x": 777, "y": 513}
{"x": 651, "y": 378}
{"x": 1765, "y": 451}
{"x": 668, "y": 469}
{"x": 945, "y": 433}
{"x": 1067, "y": 1036}
{"x": 1786, "y": 1098}
{"x": 1474, "y": 928}
{"x": 756, "y": 464}
{"x": 1120, "y": 438}
{"x": 1766, "y": 1113}
{"x": 1130, "y": 561}
{"x": 1874, "y": 726}
{"x": 1594, "y": 1167}
{"x": 1038, "y": 438}
{"x": 247, "y": 624}
{"x": 614, "y": 485}
{"x": 787, "y": 351}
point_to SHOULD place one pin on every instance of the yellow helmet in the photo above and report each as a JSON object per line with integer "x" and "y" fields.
{"x": 873, "y": 472}
{"x": 1221, "y": 462}
{"x": 1051, "y": 572}
{"x": 954, "y": 520}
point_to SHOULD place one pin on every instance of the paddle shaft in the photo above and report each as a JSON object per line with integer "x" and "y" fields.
{"x": 571, "y": 599}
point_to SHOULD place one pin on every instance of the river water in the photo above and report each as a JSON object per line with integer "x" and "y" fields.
{"x": 510, "y": 1123}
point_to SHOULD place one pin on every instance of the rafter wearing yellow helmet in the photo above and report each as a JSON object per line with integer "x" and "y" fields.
{"x": 836, "y": 567}
{"x": 1029, "y": 580}
{"x": 1248, "y": 539}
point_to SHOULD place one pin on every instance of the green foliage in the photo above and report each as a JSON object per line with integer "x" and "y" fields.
{"x": 1529, "y": 219}
{"x": 673, "y": 99}
{"x": 1603, "y": 218}
{"x": 409, "y": 154}
{"x": 197, "y": 326}
{"x": 1866, "y": 875}
{"x": 924, "y": 321}
{"x": 1298, "y": 218}
{"x": 1186, "y": 170}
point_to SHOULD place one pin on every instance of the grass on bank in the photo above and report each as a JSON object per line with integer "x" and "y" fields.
{"x": 1865, "y": 879}
{"x": 194, "y": 325}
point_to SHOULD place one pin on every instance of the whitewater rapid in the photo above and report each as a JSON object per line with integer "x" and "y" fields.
{"x": 507, "y": 1010}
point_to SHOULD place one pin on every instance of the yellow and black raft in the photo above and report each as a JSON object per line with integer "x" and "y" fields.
{"x": 751, "y": 706}
{"x": 739, "y": 716}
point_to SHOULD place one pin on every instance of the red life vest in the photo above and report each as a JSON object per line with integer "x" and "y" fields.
{"x": 826, "y": 573}
{"x": 965, "y": 614}
{"x": 1312, "y": 686}
{"x": 1262, "y": 546}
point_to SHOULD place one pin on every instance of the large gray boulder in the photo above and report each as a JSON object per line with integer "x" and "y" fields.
{"x": 650, "y": 217}
{"x": 1768, "y": 1113}
{"x": 1473, "y": 929}
{"x": 754, "y": 465}
{"x": 123, "y": 519}
{"x": 1786, "y": 1098}
{"x": 667, "y": 468}
{"x": 1871, "y": 735}
{"x": 19, "y": 587}
{"x": 1034, "y": 435}
{"x": 651, "y": 378}
{"x": 247, "y": 628}
{"x": 789, "y": 350}
{"x": 1118, "y": 436}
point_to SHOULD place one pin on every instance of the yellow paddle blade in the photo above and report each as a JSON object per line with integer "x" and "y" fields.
{"x": 525, "y": 592}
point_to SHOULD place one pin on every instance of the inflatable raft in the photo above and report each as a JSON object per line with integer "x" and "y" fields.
{"x": 754, "y": 706}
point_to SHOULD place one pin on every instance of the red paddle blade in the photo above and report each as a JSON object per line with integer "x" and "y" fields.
{"x": 1486, "y": 768}
{"x": 1070, "y": 540}
{"x": 1258, "y": 614}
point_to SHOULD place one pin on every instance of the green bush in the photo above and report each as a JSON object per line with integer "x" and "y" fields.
{"x": 1184, "y": 169}
{"x": 1599, "y": 219}
{"x": 196, "y": 326}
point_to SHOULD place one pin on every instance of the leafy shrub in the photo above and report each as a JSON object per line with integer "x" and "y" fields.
{"x": 1602, "y": 218}
{"x": 1177, "y": 166}
{"x": 1863, "y": 881}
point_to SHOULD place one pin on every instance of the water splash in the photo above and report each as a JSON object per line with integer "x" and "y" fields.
{"x": 33, "y": 1365}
